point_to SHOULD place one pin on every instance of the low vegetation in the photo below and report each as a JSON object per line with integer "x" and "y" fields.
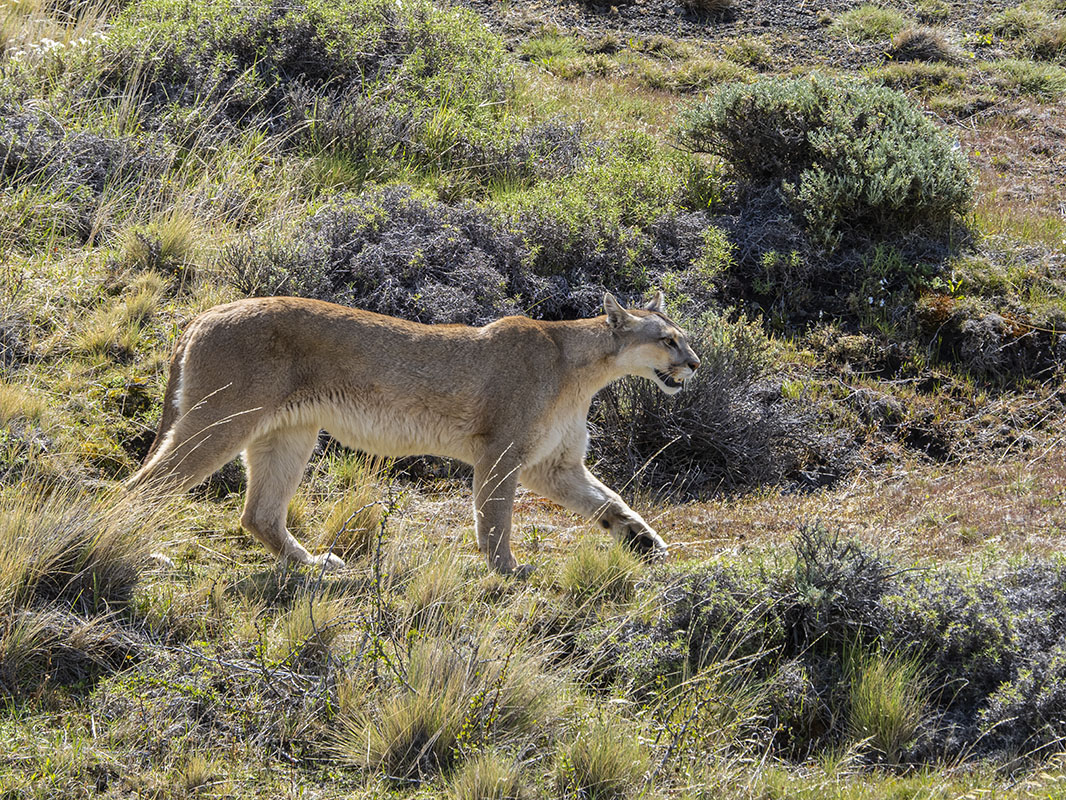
{"x": 862, "y": 485}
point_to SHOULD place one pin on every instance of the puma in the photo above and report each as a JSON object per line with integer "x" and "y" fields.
{"x": 263, "y": 376}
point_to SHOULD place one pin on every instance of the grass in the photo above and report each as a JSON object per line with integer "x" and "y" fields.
{"x": 870, "y": 22}
{"x": 886, "y": 699}
{"x": 1042, "y": 81}
{"x": 414, "y": 672}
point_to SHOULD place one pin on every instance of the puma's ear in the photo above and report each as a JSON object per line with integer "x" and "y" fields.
{"x": 658, "y": 303}
{"x": 617, "y": 317}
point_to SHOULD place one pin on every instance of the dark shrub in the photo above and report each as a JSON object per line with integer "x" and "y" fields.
{"x": 728, "y": 430}
{"x": 991, "y": 651}
{"x": 847, "y": 155}
{"x": 63, "y": 172}
{"x": 395, "y": 253}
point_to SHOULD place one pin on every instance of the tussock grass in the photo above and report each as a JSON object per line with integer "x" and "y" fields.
{"x": 17, "y": 403}
{"x": 870, "y": 22}
{"x": 886, "y": 701}
{"x": 919, "y": 43}
{"x": 352, "y": 525}
{"x": 491, "y": 775}
{"x": 306, "y": 634}
{"x": 1043, "y": 81}
{"x": 69, "y": 545}
{"x": 168, "y": 245}
{"x": 604, "y": 761}
{"x": 457, "y": 694}
{"x": 596, "y": 574}
{"x": 115, "y": 330}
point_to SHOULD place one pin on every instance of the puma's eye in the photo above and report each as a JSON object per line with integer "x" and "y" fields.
{"x": 671, "y": 343}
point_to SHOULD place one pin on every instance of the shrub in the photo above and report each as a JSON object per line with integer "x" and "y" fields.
{"x": 725, "y": 431}
{"x": 54, "y": 175}
{"x": 380, "y": 74}
{"x": 847, "y": 155}
{"x": 551, "y": 253}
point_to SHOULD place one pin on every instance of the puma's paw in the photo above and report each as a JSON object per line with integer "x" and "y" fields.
{"x": 644, "y": 541}
{"x": 328, "y": 560}
{"x": 523, "y": 571}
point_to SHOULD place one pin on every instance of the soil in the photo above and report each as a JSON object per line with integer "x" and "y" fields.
{"x": 798, "y": 30}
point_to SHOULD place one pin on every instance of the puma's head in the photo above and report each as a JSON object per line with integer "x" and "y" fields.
{"x": 652, "y": 345}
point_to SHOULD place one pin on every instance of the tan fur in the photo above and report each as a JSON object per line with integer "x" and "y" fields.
{"x": 263, "y": 376}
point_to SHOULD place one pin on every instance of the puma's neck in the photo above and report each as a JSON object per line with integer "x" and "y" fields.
{"x": 589, "y": 349}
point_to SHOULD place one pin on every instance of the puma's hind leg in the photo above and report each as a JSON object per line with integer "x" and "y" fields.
{"x": 195, "y": 445}
{"x": 275, "y": 463}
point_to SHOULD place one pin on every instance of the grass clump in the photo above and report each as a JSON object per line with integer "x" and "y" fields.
{"x": 1043, "y": 81}
{"x": 306, "y": 634}
{"x": 693, "y": 75}
{"x": 886, "y": 700}
{"x": 845, "y": 154}
{"x": 605, "y": 761}
{"x": 63, "y": 544}
{"x": 1036, "y": 30}
{"x": 870, "y": 22}
{"x": 456, "y": 697}
{"x": 352, "y": 526}
{"x": 708, "y": 8}
{"x": 593, "y": 574}
{"x": 921, "y": 44}
{"x": 489, "y": 776}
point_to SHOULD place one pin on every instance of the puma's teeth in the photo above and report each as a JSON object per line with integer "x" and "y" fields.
{"x": 669, "y": 381}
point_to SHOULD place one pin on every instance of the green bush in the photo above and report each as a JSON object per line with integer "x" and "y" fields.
{"x": 351, "y": 72}
{"x": 845, "y": 154}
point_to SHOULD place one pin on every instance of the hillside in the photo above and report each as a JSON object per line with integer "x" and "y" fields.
{"x": 855, "y": 210}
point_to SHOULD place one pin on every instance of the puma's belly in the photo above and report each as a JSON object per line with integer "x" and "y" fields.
{"x": 391, "y": 426}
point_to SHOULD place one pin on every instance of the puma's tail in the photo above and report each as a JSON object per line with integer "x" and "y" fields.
{"x": 171, "y": 400}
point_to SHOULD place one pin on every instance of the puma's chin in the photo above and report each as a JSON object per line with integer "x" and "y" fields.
{"x": 666, "y": 383}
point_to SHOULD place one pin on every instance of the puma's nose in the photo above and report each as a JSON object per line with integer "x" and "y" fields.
{"x": 693, "y": 363}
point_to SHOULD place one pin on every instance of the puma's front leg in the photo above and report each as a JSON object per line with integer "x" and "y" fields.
{"x": 495, "y": 481}
{"x": 570, "y": 484}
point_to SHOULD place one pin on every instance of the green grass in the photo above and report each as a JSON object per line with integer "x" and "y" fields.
{"x": 870, "y": 23}
{"x": 415, "y": 672}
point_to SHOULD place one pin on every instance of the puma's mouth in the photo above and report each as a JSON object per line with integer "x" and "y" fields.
{"x": 668, "y": 380}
